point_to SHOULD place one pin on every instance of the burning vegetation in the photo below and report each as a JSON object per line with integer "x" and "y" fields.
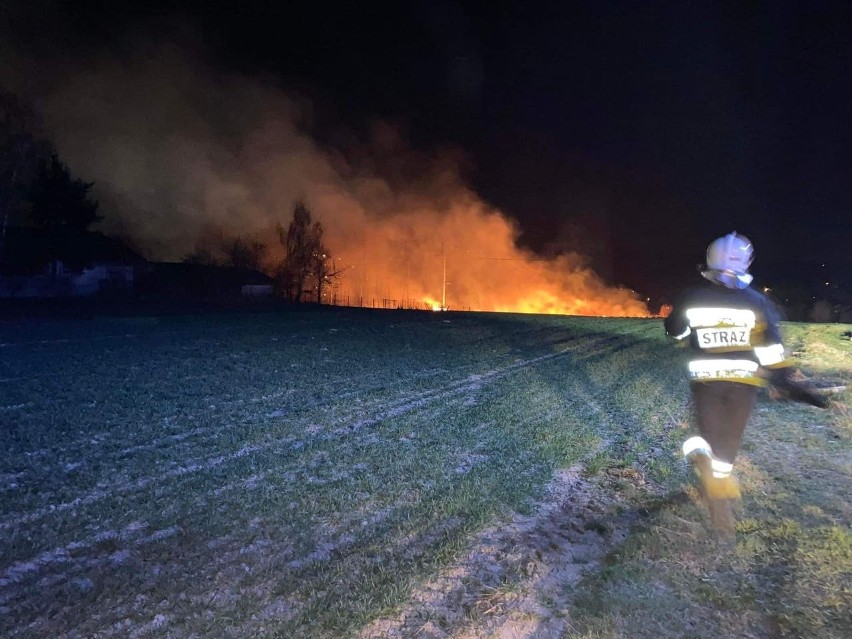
{"x": 466, "y": 258}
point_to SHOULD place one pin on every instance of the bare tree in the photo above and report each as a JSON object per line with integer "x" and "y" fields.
{"x": 243, "y": 253}
{"x": 324, "y": 271}
{"x": 305, "y": 265}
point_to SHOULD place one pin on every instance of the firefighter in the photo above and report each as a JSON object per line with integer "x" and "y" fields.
{"x": 736, "y": 347}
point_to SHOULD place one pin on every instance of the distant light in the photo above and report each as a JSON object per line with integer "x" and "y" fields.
{"x": 766, "y": 289}
{"x": 826, "y": 283}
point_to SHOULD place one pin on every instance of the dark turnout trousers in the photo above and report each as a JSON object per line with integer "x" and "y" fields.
{"x": 721, "y": 411}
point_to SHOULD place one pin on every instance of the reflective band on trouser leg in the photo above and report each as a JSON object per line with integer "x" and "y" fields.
{"x": 699, "y": 445}
{"x": 722, "y": 369}
{"x": 770, "y": 355}
{"x": 696, "y": 444}
{"x": 721, "y": 469}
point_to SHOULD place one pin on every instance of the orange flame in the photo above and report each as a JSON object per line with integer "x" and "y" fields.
{"x": 467, "y": 255}
{"x": 432, "y": 304}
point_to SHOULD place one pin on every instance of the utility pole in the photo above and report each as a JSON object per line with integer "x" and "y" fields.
{"x": 444, "y": 285}
{"x": 406, "y": 296}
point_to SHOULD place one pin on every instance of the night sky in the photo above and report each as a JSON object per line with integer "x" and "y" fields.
{"x": 631, "y": 132}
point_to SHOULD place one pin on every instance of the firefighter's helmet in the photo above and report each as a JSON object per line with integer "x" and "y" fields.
{"x": 728, "y": 259}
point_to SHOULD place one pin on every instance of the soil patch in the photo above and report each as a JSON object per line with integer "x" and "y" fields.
{"x": 518, "y": 578}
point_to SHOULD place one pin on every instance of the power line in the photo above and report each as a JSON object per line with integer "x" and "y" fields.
{"x": 513, "y": 259}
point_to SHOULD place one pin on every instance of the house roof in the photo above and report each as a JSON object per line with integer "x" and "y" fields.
{"x": 196, "y": 279}
{"x": 28, "y": 250}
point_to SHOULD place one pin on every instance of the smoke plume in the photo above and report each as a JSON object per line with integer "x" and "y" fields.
{"x": 178, "y": 151}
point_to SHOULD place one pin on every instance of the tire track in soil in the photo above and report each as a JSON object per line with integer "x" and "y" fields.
{"x": 107, "y": 438}
{"x": 516, "y": 581}
{"x": 517, "y": 578}
{"x": 404, "y": 406}
{"x": 455, "y": 388}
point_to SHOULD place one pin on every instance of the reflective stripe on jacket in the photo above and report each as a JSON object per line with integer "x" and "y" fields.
{"x": 732, "y": 333}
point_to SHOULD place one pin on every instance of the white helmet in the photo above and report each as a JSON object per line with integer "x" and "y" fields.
{"x": 728, "y": 259}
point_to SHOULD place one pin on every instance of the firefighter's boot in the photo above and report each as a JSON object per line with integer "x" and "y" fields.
{"x": 723, "y": 488}
{"x": 701, "y": 464}
{"x": 720, "y": 493}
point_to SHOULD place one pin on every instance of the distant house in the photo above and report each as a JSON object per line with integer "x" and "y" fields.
{"x": 185, "y": 281}
{"x": 41, "y": 263}
{"x": 60, "y": 281}
{"x": 257, "y": 290}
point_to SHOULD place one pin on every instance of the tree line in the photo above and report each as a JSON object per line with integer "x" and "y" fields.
{"x": 37, "y": 189}
{"x": 39, "y": 193}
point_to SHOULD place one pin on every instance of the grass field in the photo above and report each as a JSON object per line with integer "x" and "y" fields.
{"x": 336, "y": 473}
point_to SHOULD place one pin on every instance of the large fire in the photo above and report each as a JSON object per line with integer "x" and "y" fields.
{"x": 464, "y": 257}
{"x": 194, "y": 151}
